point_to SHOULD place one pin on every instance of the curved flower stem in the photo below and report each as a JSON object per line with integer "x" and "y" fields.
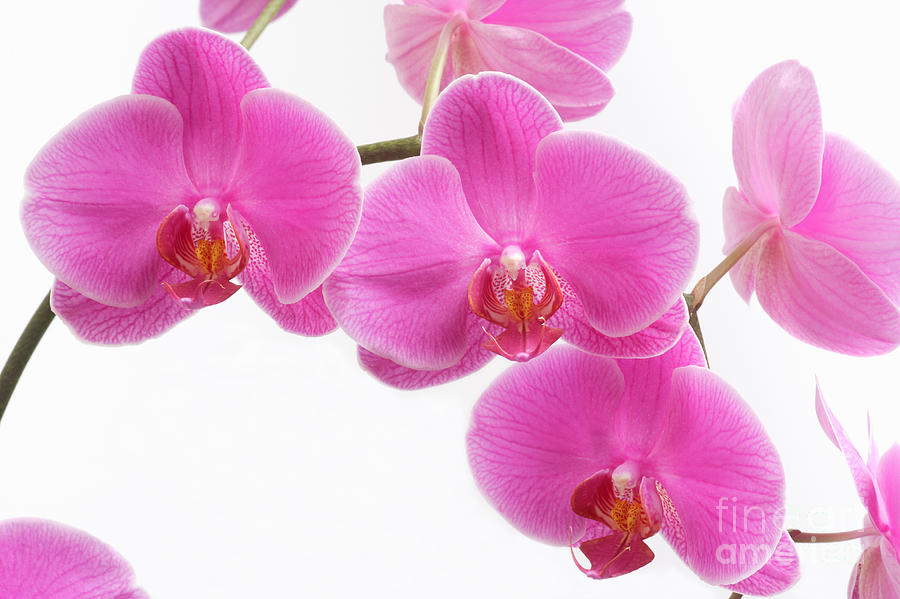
{"x": 436, "y": 72}
{"x": 262, "y": 21}
{"x": 394, "y": 149}
{"x": 706, "y": 283}
{"x": 799, "y": 536}
{"x": 21, "y": 353}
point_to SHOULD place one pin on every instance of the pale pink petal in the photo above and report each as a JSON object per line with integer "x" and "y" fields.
{"x": 489, "y": 127}
{"x": 778, "y": 574}
{"x": 296, "y": 183}
{"x": 540, "y": 430}
{"x": 723, "y": 476}
{"x": 232, "y": 16}
{"x": 205, "y": 76}
{"x": 597, "y": 30}
{"x": 401, "y": 290}
{"x": 778, "y": 142}
{"x": 98, "y": 323}
{"x": 862, "y": 477}
{"x": 97, "y": 192}
{"x": 642, "y": 415}
{"x": 650, "y": 341}
{"x": 887, "y": 477}
{"x": 412, "y": 34}
{"x": 309, "y": 316}
{"x": 741, "y": 218}
{"x": 870, "y": 579}
{"x": 617, "y": 227}
{"x": 401, "y": 377}
{"x": 858, "y": 213}
{"x": 574, "y": 86}
{"x": 819, "y": 296}
{"x": 45, "y": 560}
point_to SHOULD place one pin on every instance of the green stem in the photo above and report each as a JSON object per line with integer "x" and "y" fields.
{"x": 438, "y": 63}
{"x": 21, "y": 353}
{"x": 394, "y": 149}
{"x": 262, "y": 21}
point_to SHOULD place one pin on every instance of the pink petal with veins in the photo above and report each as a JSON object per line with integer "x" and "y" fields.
{"x": 40, "y": 559}
{"x": 777, "y": 575}
{"x": 96, "y": 193}
{"x": 778, "y": 142}
{"x": 616, "y": 226}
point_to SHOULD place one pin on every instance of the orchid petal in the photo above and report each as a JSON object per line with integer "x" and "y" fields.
{"x": 723, "y": 476}
{"x": 574, "y": 86}
{"x": 741, "y": 218}
{"x": 309, "y": 316}
{"x": 642, "y": 416}
{"x": 232, "y": 16}
{"x": 46, "y": 560}
{"x": 778, "y": 574}
{"x": 597, "y": 30}
{"x": 401, "y": 377}
{"x": 108, "y": 178}
{"x": 862, "y": 476}
{"x": 778, "y": 142}
{"x": 650, "y": 341}
{"x": 616, "y": 226}
{"x": 489, "y": 127}
{"x": 297, "y": 185}
{"x": 858, "y": 213}
{"x": 205, "y": 76}
{"x": 819, "y": 296}
{"x": 412, "y": 35}
{"x": 887, "y": 477}
{"x": 870, "y": 578}
{"x": 609, "y": 558}
{"x": 99, "y": 323}
{"x": 539, "y": 431}
{"x": 401, "y": 290}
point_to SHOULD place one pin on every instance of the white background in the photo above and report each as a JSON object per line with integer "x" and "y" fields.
{"x": 228, "y": 459}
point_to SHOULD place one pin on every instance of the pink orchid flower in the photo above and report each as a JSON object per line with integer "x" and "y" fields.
{"x": 232, "y": 16}
{"x": 46, "y": 560}
{"x": 603, "y": 454}
{"x": 877, "y": 573}
{"x": 561, "y": 47}
{"x": 818, "y": 219}
{"x": 201, "y": 175}
{"x": 508, "y": 233}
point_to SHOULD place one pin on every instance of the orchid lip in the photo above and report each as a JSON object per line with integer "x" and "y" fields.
{"x": 193, "y": 241}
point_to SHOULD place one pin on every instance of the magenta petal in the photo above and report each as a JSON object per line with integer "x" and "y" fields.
{"x": 401, "y": 290}
{"x": 609, "y": 558}
{"x": 643, "y": 414}
{"x": 617, "y": 227}
{"x": 540, "y": 430}
{"x": 401, "y": 377}
{"x": 858, "y": 213}
{"x": 572, "y": 84}
{"x": 98, "y": 323}
{"x": 650, "y": 341}
{"x": 818, "y": 295}
{"x": 862, "y": 477}
{"x": 778, "y": 142}
{"x": 297, "y": 184}
{"x": 887, "y": 476}
{"x": 412, "y": 34}
{"x": 205, "y": 76}
{"x": 96, "y": 193}
{"x": 778, "y": 574}
{"x": 45, "y": 560}
{"x": 597, "y": 30}
{"x": 489, "y": 127}
{"x": 232, "y": 16}
{"x": 309, "y": 316}
{"x": 723, "y": 476}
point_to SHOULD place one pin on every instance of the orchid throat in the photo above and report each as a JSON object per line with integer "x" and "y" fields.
{"x": 194, "y": 242}
{"x": 505, "y": 294}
